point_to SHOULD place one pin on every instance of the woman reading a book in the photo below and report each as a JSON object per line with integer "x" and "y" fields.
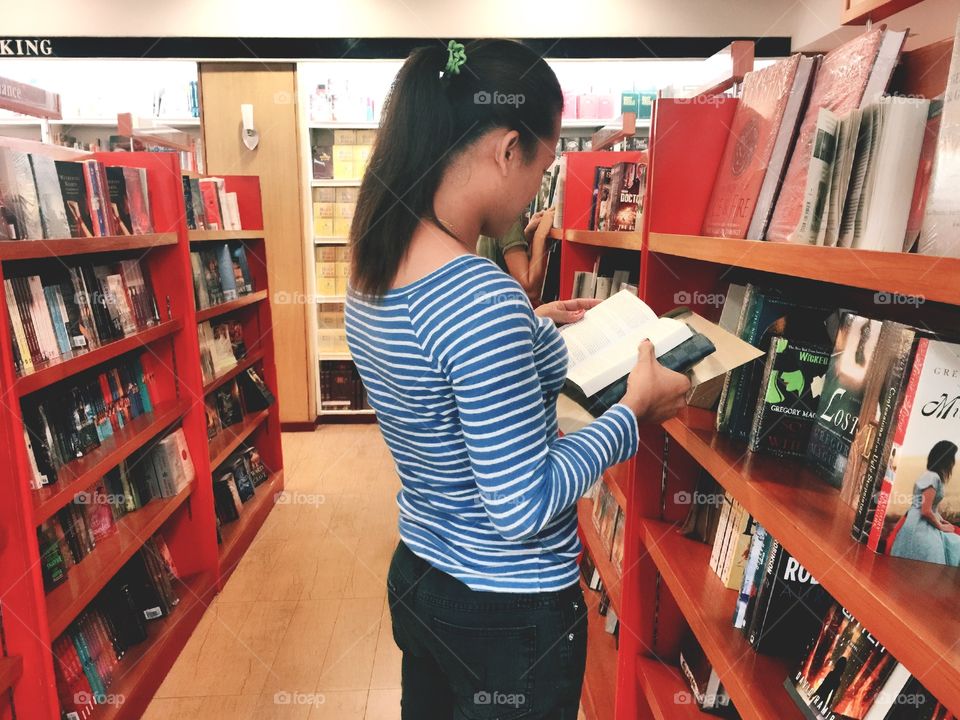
{"x": 464, "y": 377}
{"x": 924, "y": 534}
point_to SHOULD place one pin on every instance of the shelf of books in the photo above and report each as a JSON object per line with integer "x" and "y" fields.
{"x": 114, "y": 508}
{"x": 794, "y": 529}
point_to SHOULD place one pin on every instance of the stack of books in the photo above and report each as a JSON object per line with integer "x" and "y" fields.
{"x": 340, "y": 154}
{"x": 818, "y": 154}
{"x": 333, "y": 210}
{"x": 88, "y": 656}
{"x": 209, "y": 205}
{"x": 341, "y": 387}
{"x": 220, "y": 274}
{"x": 43, "y": 198}
{"x": 333, "y": 270}
{"x": 70, "y": 309}
{"x": 68, "y": 421}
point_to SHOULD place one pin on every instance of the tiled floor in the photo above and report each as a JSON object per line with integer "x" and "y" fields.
{"x": 302, "y": 631}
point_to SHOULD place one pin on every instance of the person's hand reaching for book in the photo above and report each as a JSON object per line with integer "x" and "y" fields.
{"x": 654, "y": 393}
{"x": 563, "y": 312}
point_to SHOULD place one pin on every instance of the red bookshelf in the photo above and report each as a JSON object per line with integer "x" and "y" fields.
{"x": 599, "y": 553}
{"x": 34, "y": 619}
{"x": 667, "y": 587}
{"x": 230, "y": 306}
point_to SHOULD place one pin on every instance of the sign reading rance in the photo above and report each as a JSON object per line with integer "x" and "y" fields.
{"x": 28, "y": 99}
{"x": 22, "y": 47}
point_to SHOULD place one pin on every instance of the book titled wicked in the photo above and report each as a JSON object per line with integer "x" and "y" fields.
{"x": 789, "y": 393}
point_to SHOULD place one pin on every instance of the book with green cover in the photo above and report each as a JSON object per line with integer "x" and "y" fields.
{"x": 789, "y": 394}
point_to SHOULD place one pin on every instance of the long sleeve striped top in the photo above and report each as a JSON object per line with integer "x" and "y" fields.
{"x": 464, "y": 380}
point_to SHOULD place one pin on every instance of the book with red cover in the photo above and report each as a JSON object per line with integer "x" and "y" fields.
{"x": 839, "y": 87}
{"x": 746, "y": 157}
{"x": 211, "y": 205}
{"x": 921, "y": 186}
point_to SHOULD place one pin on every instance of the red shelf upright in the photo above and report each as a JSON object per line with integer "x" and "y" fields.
{"x": 171, "y": 360}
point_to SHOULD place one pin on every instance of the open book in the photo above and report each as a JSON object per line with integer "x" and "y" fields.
{"x": 602, "y": 348}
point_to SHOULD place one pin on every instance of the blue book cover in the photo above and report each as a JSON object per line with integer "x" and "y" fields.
{"x": 59, "y": 328}
{"x": 227, "y": 278}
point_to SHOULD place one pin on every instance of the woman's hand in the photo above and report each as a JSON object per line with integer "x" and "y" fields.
{"x": 563, "y": 312}
{"x": 535, "y": 222}
{"x": 654, "y": 393}
{"x": 947, "y": 527}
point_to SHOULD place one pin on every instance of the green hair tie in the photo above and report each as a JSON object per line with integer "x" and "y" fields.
{"x": 456, "y": 57}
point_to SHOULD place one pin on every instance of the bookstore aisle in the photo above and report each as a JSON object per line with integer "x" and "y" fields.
{"x": 302, "y": 629}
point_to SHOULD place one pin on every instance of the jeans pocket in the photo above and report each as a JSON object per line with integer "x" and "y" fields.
{"x": 490, "y": 669}
{"x": 573, "y": 640}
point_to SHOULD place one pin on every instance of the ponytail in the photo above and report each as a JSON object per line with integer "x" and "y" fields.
{"x": 428, "y": 119}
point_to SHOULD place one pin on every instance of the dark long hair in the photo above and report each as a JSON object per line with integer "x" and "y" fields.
{"x": 431, "y": 116}
{"x": 942, "y": 458}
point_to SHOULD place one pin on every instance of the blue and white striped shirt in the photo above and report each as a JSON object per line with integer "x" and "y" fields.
{"x": 464, "y": 380}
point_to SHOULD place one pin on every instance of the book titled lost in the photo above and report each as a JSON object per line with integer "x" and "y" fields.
{"x": 602, "y": 348}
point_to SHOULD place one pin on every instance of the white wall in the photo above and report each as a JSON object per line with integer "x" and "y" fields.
{"x": 398, "y": 18}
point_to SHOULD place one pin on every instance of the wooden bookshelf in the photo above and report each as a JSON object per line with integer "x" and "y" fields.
{"x": 80, "y": 474}
{"x": 249, "y": 361}
{"x": 243, "y": 301}
{"x": 11, "y": 668}
{"x": 930, "y": 278}
{"x": 238, "y": 535}
{"x": 666, "y": 691}
{"x": 91, "y": 574}
{"x": 808, "y": 518}
{"x": 605, "y": 239}
{"x": 229, "y": 438}
{"x": 223, "y": 235}
{"x": 856, "y": 12}
{"x": 172, "y": 366}
{"x": 144, "y": 666}
{"x": 66, "y": 367}
{"x": 615, "y": 480}
{"x": 708, "y": 606}
{"x": 600, "y": 677}
{"x": 600, "y": 554}
{"x": 62, "y": 247}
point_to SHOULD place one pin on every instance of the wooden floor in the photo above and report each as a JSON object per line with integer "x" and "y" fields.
{"x": 302, "y": 629}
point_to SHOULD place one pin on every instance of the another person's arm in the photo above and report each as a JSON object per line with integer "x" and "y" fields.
{"x": 526, "y": 261}
{"x": 929, "y": 514}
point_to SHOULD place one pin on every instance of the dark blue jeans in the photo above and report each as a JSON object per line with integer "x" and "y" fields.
{"x": 470, "y": 655}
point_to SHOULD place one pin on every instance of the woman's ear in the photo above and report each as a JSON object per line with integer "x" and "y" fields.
{"x": 508, "y": 150}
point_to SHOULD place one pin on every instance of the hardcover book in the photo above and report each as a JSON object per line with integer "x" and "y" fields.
{"x": 138, "y": 200}
{"x": 871, "y": 445}
{"x": 758, "y": 122}
{"x": 941, "y": 224}
{"x": 628, "y": 181}
{"x": 18, "y": 193}
{"x": 53, "y": 212}
{"x": 117, "y": 189}
{"x": 790, "y": 609}
{"x": 839, "y": 408}
{"x": 918, "y": 505}
{"x": 839, "y": 87}
{"x": 73, "y": 188}
{"x": 789, "y": 393}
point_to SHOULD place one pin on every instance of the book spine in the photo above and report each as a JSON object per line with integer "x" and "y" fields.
{"x": 883, "y": 439}
{"x": 903, "y": 420}
{"x": 23, "y": 307}
{"x": 762, "y": 395}
{"x": 763, "y": 593}
{"x": 18, "y": 328}
{"x": 723, "y": 409}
